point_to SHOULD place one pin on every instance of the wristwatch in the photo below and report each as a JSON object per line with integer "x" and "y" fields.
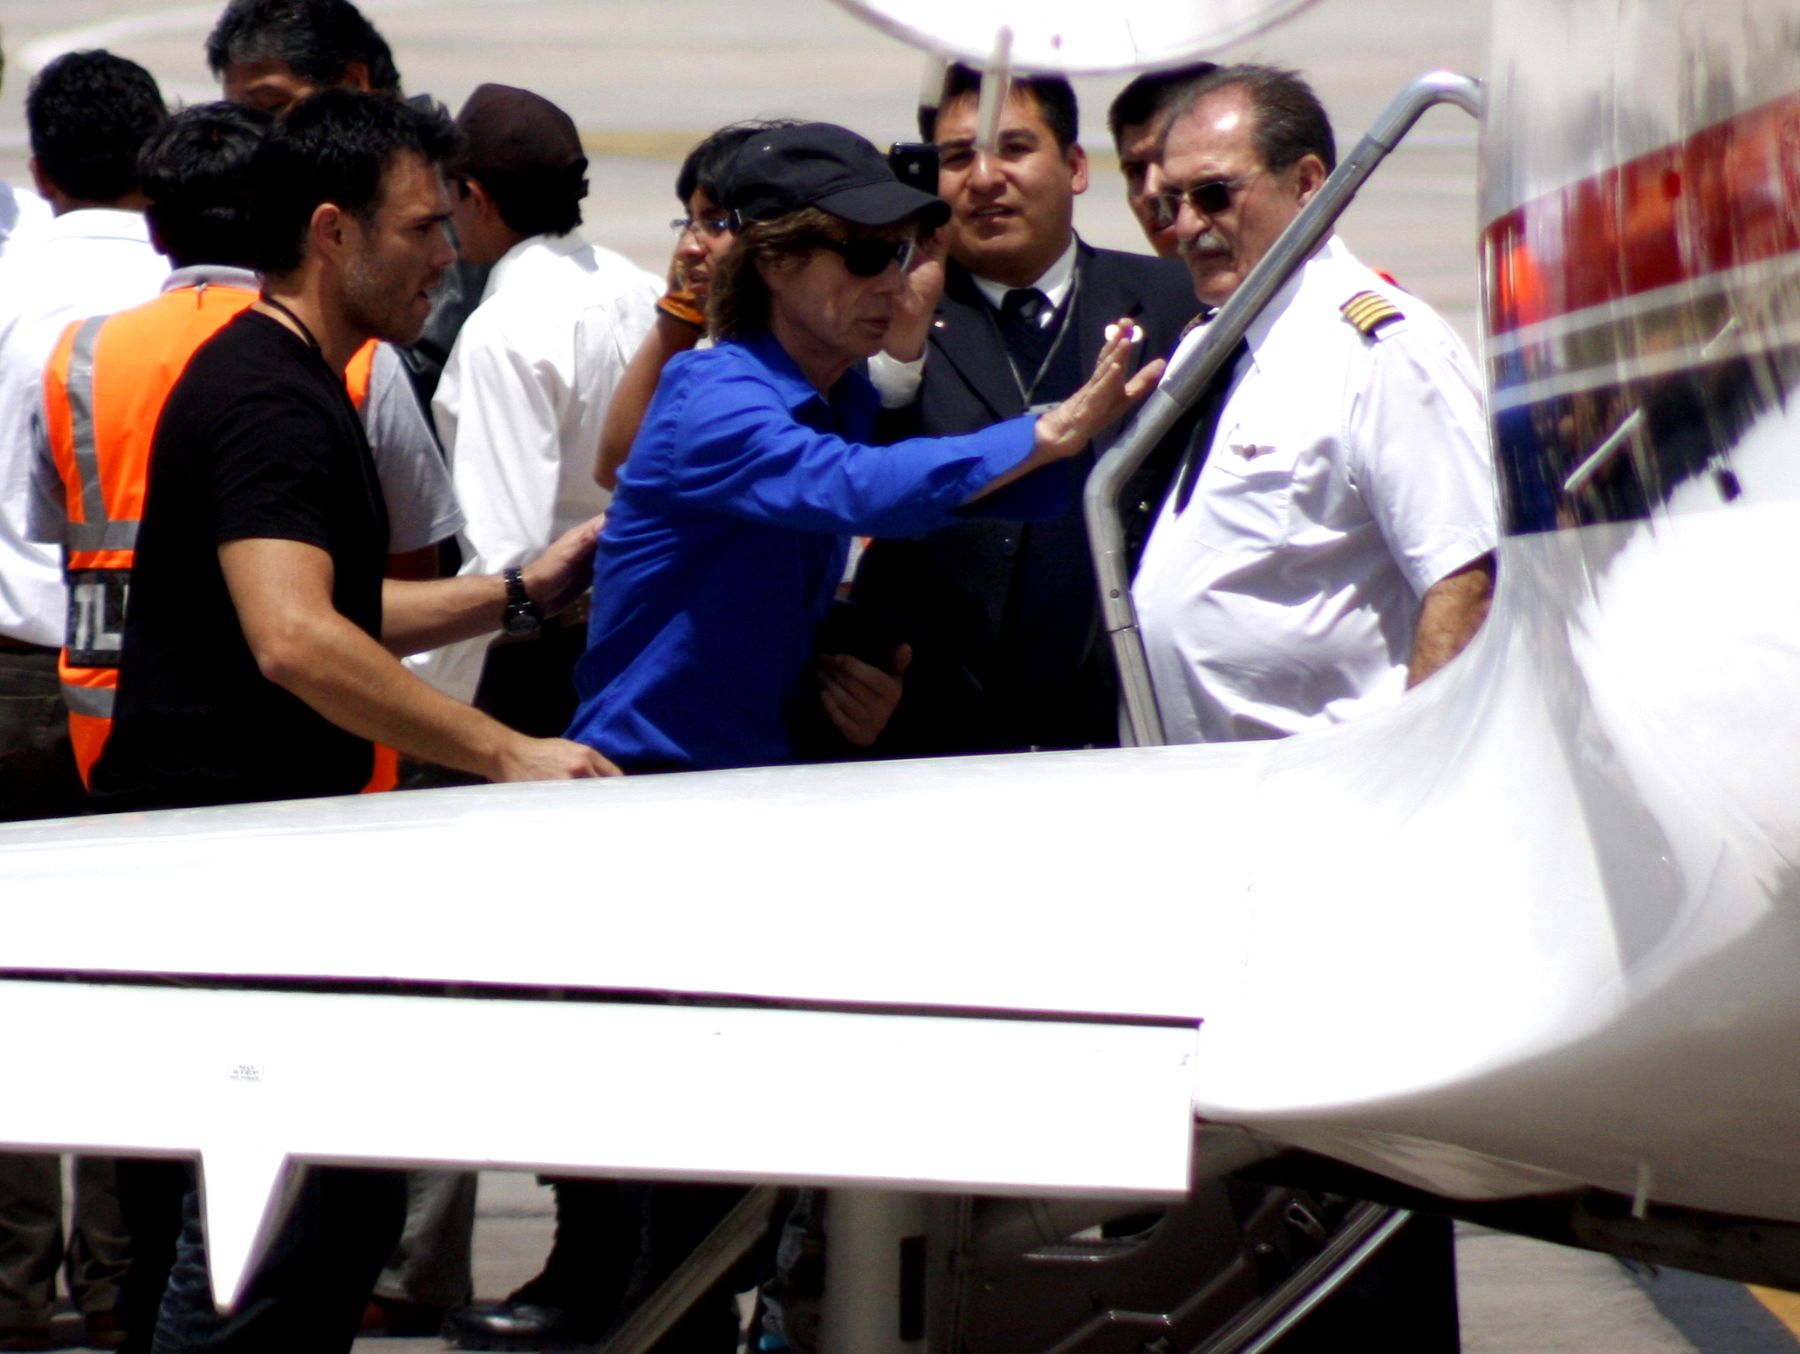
{"x": 522, "y": 616}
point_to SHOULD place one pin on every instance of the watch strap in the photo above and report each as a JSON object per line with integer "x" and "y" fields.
{"x": 522, "y": 615}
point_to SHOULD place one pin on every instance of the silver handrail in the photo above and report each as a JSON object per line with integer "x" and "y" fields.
{"x": 1366, "y": 1229}
{"x": 1184, "y": 381}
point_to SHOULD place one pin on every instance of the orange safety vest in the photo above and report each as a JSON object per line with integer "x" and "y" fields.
{"x": 104, "y": 389}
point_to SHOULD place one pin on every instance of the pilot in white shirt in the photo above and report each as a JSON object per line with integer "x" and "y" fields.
{"x": 1348, "y": 473}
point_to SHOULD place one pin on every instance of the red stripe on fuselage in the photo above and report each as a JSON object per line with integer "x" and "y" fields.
{"x": 1727, "y": 196}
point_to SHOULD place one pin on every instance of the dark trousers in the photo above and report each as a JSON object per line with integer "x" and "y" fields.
{"x": 38, "y": 778}
{"x": 150, "y": 1195}
{"x": 617, "y": 1240}
{"x": 31, "y": 1237}
{"x": 676, "y": 1219}
{"x": 527, "y": 684}
{"x": 308, "y": 1294}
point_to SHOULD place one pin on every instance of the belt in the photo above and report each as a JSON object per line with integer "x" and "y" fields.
{"x": 11, "y": 645}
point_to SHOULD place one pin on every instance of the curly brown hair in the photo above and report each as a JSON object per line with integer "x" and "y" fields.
{"x": 738, "y": 302}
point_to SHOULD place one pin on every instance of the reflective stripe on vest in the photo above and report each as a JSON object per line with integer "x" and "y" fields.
{"x": 96, "y": 702}
{"x": 91, "y": 537}
{"x": 81, "y": 420}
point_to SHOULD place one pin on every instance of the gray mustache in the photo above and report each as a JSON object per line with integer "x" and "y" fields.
{"x": 1206, "y": 240}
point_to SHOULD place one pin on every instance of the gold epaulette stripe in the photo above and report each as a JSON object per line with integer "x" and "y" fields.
{"x": 1369, "y": 310}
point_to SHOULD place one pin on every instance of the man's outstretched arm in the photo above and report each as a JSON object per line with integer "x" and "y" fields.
{"x": 416, "y": 616}
{"x": 282, "y": 593}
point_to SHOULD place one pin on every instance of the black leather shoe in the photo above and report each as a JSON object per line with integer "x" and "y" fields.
{"x": 519, "y": 1326}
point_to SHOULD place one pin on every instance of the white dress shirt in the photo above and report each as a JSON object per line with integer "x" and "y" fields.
{"x": 1348, "y": 473}
{"x": 520, "y": 406}
{"x": 23, "y": 214}
{"x": 87, "y": 262}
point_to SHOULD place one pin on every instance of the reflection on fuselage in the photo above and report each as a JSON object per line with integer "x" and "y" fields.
{"x": 1642, "y": 318}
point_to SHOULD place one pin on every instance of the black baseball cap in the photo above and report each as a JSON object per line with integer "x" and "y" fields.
{"x": 819, "y": 164}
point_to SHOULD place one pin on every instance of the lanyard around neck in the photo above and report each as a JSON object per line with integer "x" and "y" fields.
{"x": 305, "y": 331}
{"x": 1066, "y": 314}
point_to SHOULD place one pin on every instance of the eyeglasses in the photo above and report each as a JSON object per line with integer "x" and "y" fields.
{"x": 713, "y": 226}
{"x": 869, "y": 256}
{"x": 1209, "y": 199}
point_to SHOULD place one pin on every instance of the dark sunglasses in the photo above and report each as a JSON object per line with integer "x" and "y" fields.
{"x": 866, "y": 256}
{"x": 1209, "y": 199}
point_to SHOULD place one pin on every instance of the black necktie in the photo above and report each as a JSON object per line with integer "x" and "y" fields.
{"x": 1027, "y": 323}
{"x": 1208, "y": 408}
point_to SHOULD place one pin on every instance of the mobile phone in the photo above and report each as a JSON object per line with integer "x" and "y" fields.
{"x": 915, "y": 163}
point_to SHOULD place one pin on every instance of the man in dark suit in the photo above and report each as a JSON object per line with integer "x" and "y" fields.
{"x": 1002, "y": 616}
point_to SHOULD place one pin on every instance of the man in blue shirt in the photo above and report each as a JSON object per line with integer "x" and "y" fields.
{"x": 729, "y": 532}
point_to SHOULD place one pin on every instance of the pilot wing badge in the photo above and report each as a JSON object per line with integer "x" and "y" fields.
{"x": 1370, "y": 312}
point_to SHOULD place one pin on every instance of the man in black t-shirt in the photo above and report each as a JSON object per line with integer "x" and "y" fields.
{"x": 258, "y": 659}
{"x": 197, "y": 720}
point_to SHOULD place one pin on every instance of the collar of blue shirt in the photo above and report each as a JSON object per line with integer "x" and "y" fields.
{"x": 853, "y": 402}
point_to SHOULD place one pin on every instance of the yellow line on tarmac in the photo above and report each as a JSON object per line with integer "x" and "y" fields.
{"x": 1784, "y": 1306}
{"x": 639, "y": 145}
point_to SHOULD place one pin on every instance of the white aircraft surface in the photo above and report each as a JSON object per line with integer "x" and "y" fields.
{"x": 1529, "y": 936}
